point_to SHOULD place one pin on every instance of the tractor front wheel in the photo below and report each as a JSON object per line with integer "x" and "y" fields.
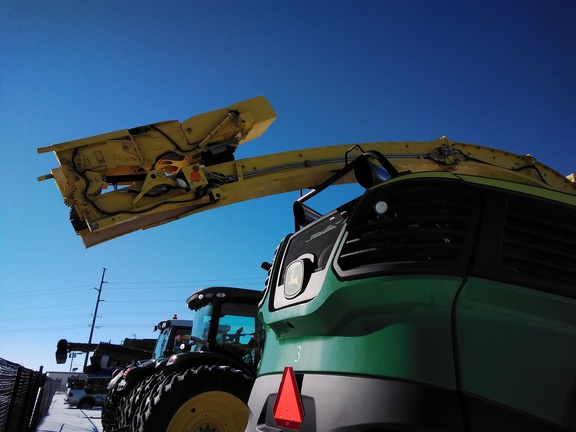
{"x": 109, "y": 414}
{"x": 205, "y": 398}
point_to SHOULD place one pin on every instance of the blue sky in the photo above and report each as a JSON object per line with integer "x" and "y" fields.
{"x": 496, "y": 73}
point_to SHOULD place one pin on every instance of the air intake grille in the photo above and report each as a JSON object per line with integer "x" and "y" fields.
{"x": 539, "y": 242}
{"x": 425, "y": 228}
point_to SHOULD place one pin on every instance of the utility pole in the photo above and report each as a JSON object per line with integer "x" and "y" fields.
{"x": 95, "y": 313}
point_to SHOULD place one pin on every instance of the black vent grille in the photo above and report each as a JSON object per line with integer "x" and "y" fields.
{"x": 426, "y": 228}
{"x": 539, "y": 243}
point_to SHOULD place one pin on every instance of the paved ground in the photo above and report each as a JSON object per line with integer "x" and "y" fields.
{"x": 62, "y": 418}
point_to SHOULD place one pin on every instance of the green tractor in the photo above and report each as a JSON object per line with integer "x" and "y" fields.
{"x": 203, "y": 379}
{"x": 171, "y": 335}
{"x": 436, "y": 301}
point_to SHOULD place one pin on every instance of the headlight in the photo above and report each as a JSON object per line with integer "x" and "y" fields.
{"x": 297, "y": 275}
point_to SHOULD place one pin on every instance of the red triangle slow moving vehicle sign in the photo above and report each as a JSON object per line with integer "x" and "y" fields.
{"x": 288, "y": 411}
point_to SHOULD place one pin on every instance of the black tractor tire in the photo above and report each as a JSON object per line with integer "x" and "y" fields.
{"x": 206, "y": 398}
{"x": 130, "y": 407}
{"x": 109, "y": 409}
{"x": 85, "y": 404}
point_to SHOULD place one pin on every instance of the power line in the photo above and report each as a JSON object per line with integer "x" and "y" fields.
{"x": 40, "y": 329}
{"x": 146, "y": 301}
{"x": 72, "y": 327}
{"x": 195, "y": 281}
{"x": 161, "y": 284}
{"x": 42, "y": 292}
{"x": 59, "y": 306}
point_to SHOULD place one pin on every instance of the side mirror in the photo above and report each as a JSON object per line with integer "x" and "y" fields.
{"x": 369, "y": 174}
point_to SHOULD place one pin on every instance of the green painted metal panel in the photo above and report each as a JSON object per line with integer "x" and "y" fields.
{"x": 397, "y": 327}
{"x": 517, "y": 347}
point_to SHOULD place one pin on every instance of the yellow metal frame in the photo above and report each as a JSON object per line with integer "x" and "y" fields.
{"x": 123, "y": 181}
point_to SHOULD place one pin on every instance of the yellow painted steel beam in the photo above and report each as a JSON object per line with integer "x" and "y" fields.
{"x": 140, "y": 178}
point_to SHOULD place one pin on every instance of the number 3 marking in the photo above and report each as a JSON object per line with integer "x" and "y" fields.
{"x": 298, "y": 351}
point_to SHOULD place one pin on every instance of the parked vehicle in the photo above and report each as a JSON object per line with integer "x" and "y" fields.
{"x": 106, "y": 356}
{"x": 86, "y": 394}
{"x": 203, "y": 381}
{"x": 171, "y": 337}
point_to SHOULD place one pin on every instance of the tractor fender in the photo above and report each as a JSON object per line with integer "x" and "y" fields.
{"x": 125, "y": 379}
{"x": 141, "y": 371}
{"x": 184, "y": 361}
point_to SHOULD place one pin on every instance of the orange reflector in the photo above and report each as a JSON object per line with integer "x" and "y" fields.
{"x": 288, "y": 411}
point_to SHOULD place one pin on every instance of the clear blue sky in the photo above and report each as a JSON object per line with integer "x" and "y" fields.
{"x": 495, "y": 73}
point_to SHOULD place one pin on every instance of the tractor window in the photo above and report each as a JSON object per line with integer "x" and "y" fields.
{"x": 182, "y": 341}
{"x": 201, "y": 326}
{"x": 161, "y": 343}
{"x": 237, "y": 323}
{"x": 237, "y": 331}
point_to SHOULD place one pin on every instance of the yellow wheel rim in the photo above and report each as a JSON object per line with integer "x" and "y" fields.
{"x": 212, "y": 411}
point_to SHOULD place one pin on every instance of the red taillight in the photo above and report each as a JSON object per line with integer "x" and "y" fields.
{"x": 171, "y": 360}
{"x": 70, "y": 394}
{"x": 127, "y": 370}
{"x": 288, "y": 411}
